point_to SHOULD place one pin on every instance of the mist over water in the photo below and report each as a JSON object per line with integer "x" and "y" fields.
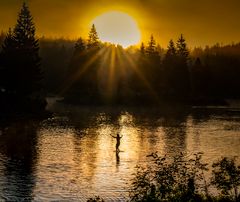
{"x": 71, "y": 156}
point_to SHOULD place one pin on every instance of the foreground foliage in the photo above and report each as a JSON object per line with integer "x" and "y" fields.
{"x": 95, "y": 199}
{"x": 181, "y": 179}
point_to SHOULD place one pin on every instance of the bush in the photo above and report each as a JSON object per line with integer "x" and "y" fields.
{"x": 174, "y": 179}
{"x": 226, "y": 178}
{"x": 95, "y": 199}
{"x": 180, "y": 179}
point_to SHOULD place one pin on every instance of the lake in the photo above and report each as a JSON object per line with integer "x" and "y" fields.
{"x": 71, "y": 156}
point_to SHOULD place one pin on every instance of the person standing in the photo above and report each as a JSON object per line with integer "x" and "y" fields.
{"x": 118, "y": 138}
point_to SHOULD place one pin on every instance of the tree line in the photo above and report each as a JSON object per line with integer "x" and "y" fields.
{"x": 89, "y": 71}
{"x": 151, "y": 74}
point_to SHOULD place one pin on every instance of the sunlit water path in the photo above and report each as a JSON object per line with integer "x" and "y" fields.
{"x": 71, "y": 156}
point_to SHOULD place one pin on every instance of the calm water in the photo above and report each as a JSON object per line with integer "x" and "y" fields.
{"x": 72, "y": 155}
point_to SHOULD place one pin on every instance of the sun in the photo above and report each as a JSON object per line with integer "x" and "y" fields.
{"x": 118, "y": 28}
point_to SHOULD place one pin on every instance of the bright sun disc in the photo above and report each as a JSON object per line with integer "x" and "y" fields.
{"x": 118, "y": 28}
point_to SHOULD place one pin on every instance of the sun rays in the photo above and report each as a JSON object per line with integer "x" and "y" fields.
{"x": 112, "y": 75}
{"x": 105, "y": 71}
{"x": 76, "y": 76}
{"x": 114, "y": 65}
{"x": 132, "y": 62}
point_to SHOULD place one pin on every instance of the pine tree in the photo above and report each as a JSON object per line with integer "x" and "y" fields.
{"x": 93, "y": 39}
{"x": 7, "y": 63}
{"x": 8, "y": 43}
{"x": 80, "y": 45}
{"x": 85, "y": 86}
{"x": 21, "y": 57}
{"x": 142, "y": 48}
{"x": 183, "y": 73}
{"x": 2, "y": 37}
{"x": 170, "y": 70}
{"x": 160, "y": 51}
{"x": 182, "y": 50}
{"x": 78, "y": 57}
{"x": 171, "y": 50}
{"x": 151, "y": 48}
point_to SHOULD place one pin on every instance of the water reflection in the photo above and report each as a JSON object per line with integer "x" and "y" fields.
{"x": 72, "y": 156}
{"x": 117, "y": 159}
{"x": 18, "y": 148}
{"x": 175, "y": 132}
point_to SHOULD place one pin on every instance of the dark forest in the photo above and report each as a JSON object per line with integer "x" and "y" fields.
{"x": 88, "y": 71}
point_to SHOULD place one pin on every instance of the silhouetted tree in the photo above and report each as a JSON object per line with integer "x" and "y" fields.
{"x": 2, "y": 37}
{"x": 175, "y": 69}
{"x": 8, "y": 50}
{"x": 219, "y": 75}
{"x": 79, "y": 57}
{"x": 93, "y": 39}
{"x": 21, "y": 61}
{"x": 91, "y": 75}
{"x": 183, "y": 87}
{"x": 160, "y": 50}
{"x": 151, "y": 48}
{"x": 80, "y": 46}
{"x": 83, "y": 69}
{"x": 182, "y": 50}
{"x": 169, "y": 70}
{"x": 21, "y": 55}
{"x": 8, "y": 42}
{"x": 142, "y": 49}
{"x": 153, "y": 70}
{"x": 171, "y": 50}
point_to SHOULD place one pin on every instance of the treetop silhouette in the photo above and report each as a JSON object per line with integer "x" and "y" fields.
{"x": 142, "y": 48}
{"x": 151, "y": 48}
{"x": 182, "y": 50}
{"x": 171, "y": 50}
{"x": 93, "y": 39}
{"x": 80, "y": 45}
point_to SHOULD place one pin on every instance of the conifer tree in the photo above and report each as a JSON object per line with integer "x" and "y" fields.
{"x": 93, "y": 39}
{"x": 151, "y": 48}
{"x": 182, "y": 50}
{"x": 80, "y": 45}
{"x": 170, "y": 70}
{"x": 7, "y": 63}
{"x": 9, "y": 45}
{"x": 142, "y": 48}
{"x": 160, "y": 51}
{"x": 182, "y": 65}
{"x": 2, "y": 37}
{"x": 78, "y": 57}
{"x": 21, "y": 60}
{"x": 171, "y": 50}
{"x": 153, "y": 62}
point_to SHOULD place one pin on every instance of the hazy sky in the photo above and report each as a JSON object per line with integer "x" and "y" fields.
{"x": 201, "y": 21}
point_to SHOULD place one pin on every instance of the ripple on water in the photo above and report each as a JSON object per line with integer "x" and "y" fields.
{"x": 73, "y": 155}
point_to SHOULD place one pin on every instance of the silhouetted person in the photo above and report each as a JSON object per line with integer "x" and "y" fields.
{"x": 118, "y": 138}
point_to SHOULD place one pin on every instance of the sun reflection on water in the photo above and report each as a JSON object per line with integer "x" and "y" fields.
{"x": 74, "y": 157}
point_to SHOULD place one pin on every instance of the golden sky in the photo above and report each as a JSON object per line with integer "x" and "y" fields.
{"x": 201, "y": 21}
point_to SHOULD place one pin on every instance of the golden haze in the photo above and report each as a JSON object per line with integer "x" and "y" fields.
{"x": 202, "y": 22}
